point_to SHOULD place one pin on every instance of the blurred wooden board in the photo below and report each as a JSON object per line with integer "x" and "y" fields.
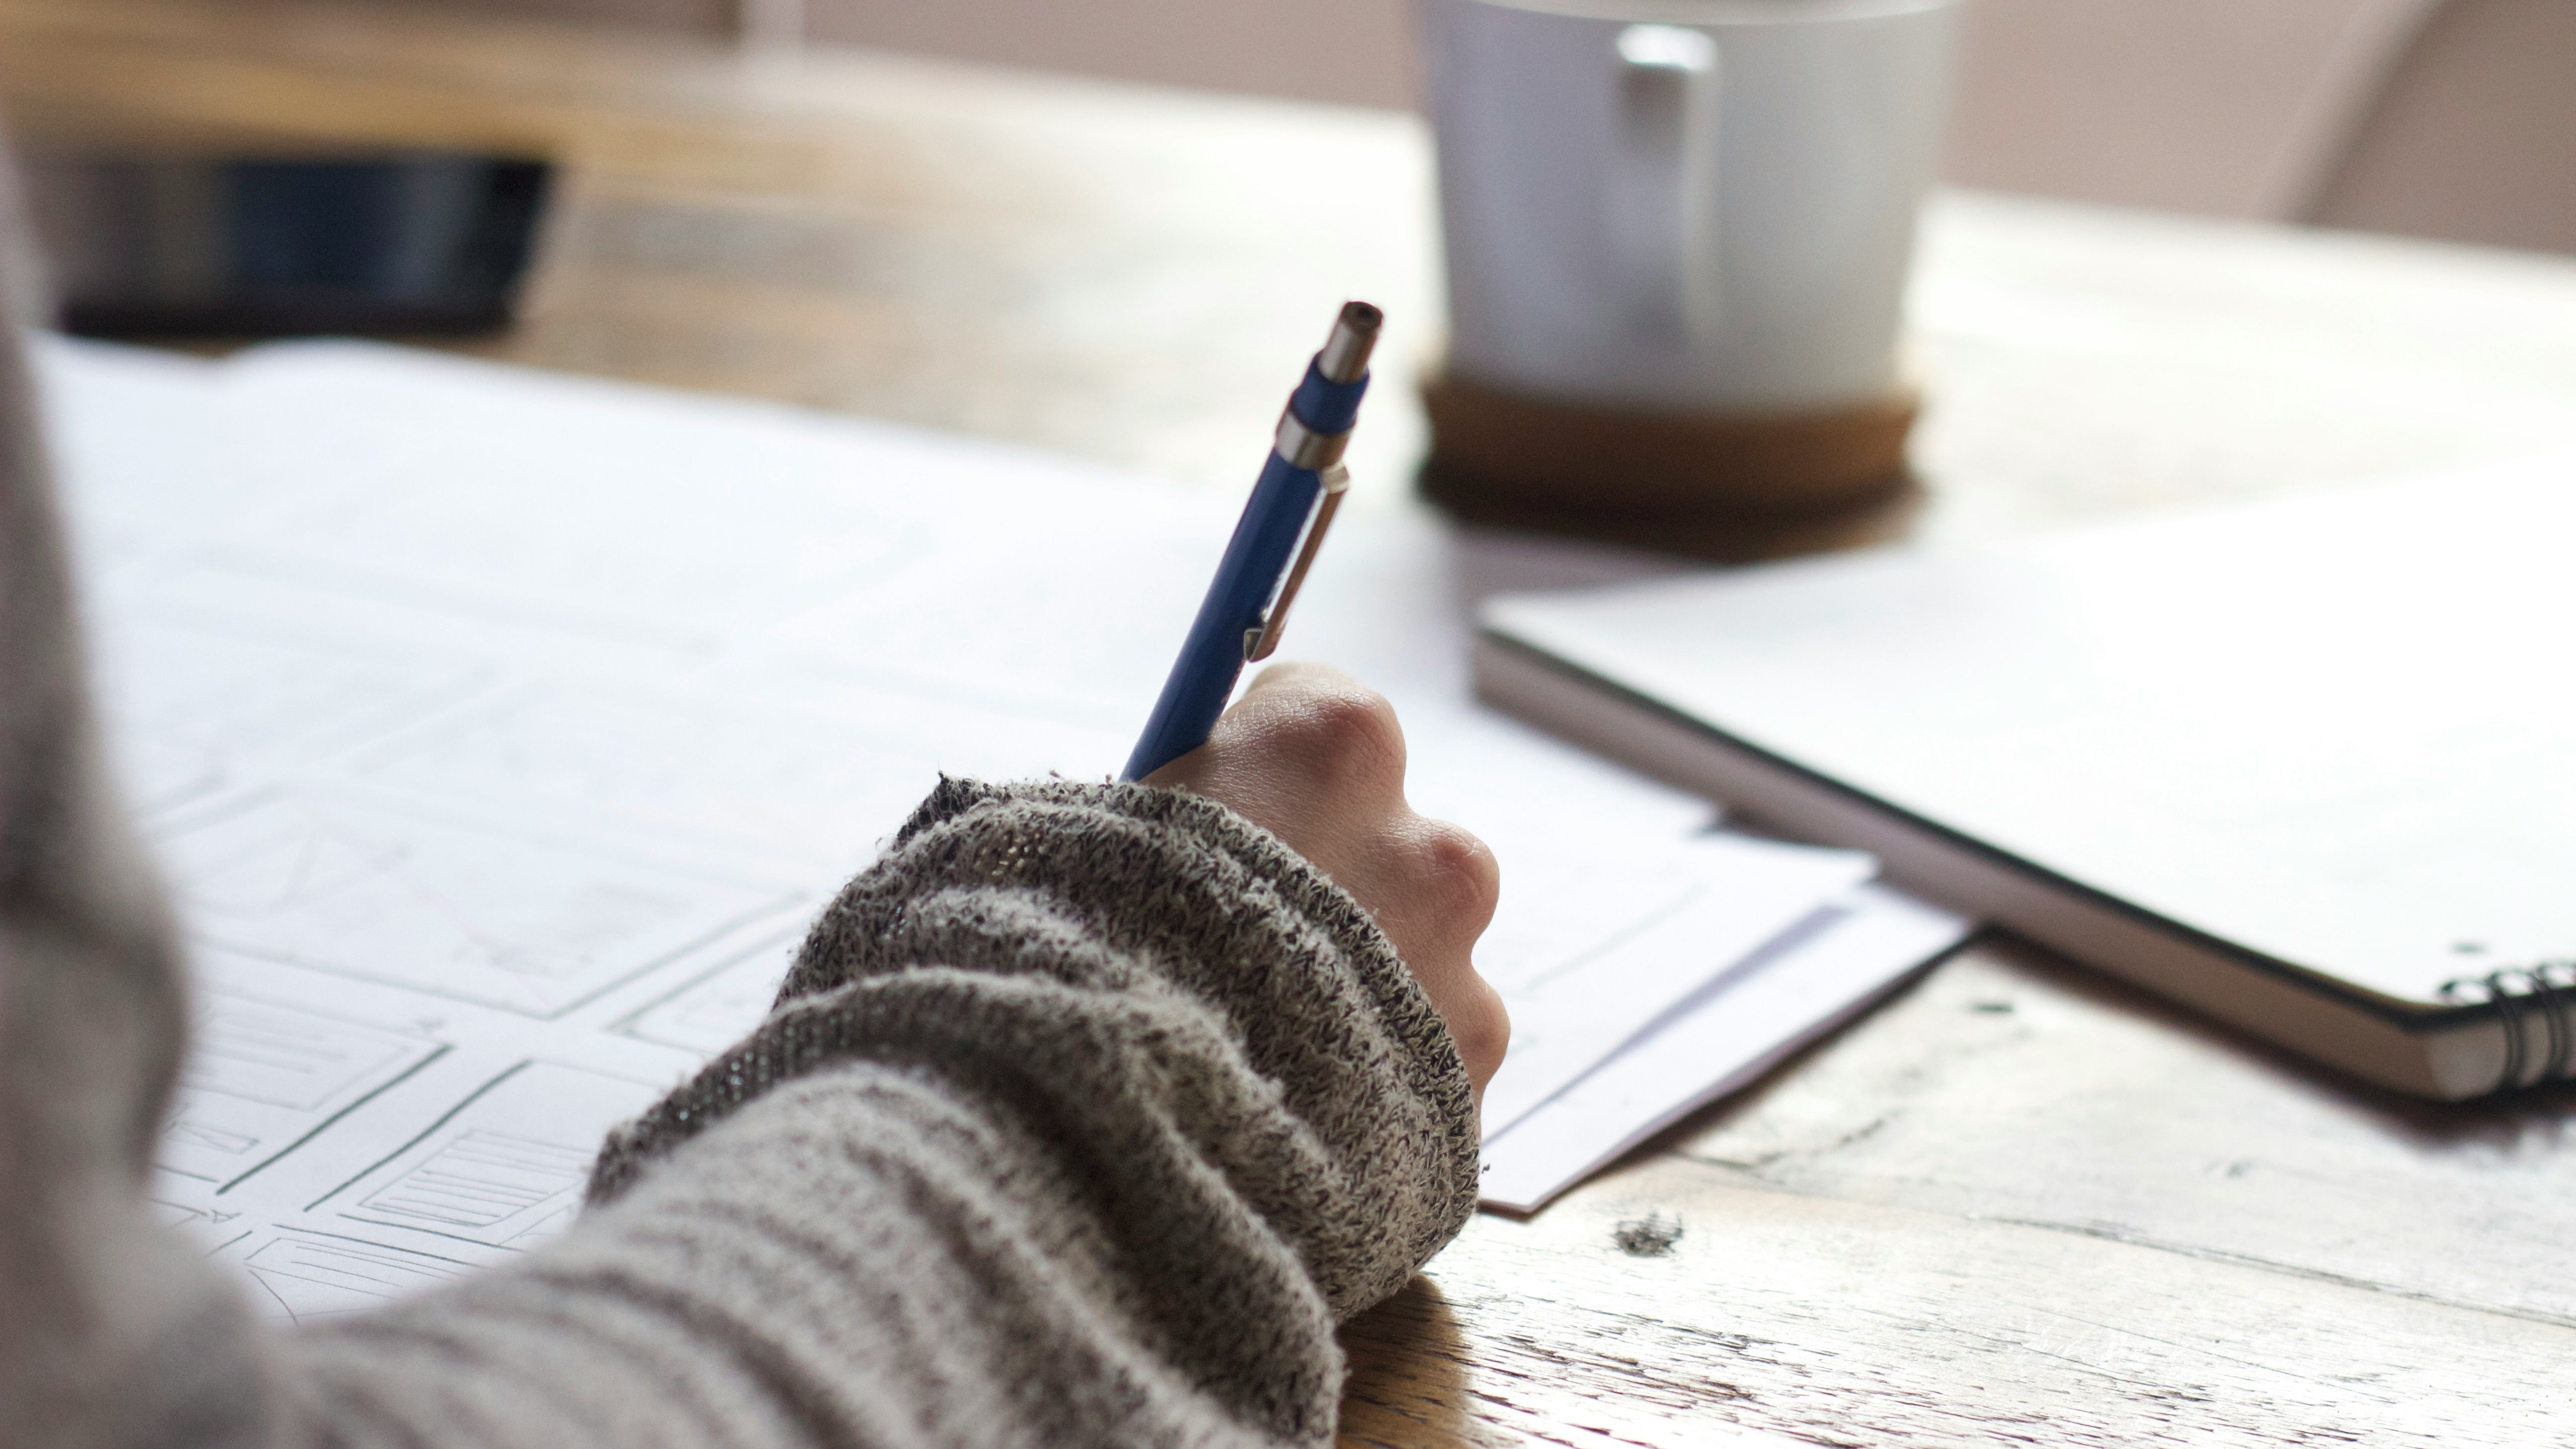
{"x": 1055, "y": 261}
{"x": 2019, "y": 1204}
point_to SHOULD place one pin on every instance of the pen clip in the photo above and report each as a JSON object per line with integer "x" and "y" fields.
{"x": 1259, "y": 643}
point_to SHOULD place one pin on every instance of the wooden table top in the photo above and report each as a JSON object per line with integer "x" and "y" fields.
{"x": 2019, "y": 1204}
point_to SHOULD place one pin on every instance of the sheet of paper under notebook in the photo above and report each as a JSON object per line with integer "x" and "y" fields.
{"x": 499, "y": 731}
{"x": 1830, "y": 967}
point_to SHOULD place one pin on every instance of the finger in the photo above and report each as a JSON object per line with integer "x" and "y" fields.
{"x": 1448, "y": 884}
{"x": 1340, "y": 741}
{"x": 1469, "y": 1006}
{"x": 1257, "y": 710}
{"x": 1292, "y": 673}
{"x": 1482, "y": 1027}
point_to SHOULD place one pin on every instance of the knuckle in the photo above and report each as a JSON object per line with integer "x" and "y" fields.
{"x": 1457, "y": 873}
{"x": 1349, "y": 731}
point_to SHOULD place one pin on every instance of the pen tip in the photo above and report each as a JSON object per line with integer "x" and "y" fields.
{"x": 1346, "y": 352}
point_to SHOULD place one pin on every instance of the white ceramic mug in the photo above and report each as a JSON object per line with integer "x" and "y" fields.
{"x": 1702, "y": 205}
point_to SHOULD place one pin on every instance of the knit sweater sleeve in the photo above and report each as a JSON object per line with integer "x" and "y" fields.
{"x": 1082, "y": 1118}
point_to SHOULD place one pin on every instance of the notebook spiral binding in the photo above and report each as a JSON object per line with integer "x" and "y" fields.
{"x": 2549, "y": 989}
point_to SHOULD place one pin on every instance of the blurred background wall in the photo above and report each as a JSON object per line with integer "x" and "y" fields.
{"x": 2448, "y": 118}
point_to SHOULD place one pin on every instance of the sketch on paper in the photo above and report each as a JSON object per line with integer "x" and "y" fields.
{"x": 442, "y": 907}
{"x": 190, "y": 700}
{"x": 503, "y": 1171}
{"x": 820, "y": 788}
{"x": 1004, "y": 632}
{"x": 215, "y": 1228}
{"x": 513, "y": 1188}
{"x": 261, "y": 1076}
{"x": 721, "y": 1007}
{"x": 303, "y": 1276}
{"x": 486, "y": 503}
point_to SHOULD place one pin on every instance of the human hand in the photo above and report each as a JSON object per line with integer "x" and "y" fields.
{"x": 1316, "y": 760}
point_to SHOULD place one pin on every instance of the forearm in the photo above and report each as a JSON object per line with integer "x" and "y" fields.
{"x": 856, "y": 1258}
{"x": 113, "y": 1331}
{"x": 1088, "y": 1112}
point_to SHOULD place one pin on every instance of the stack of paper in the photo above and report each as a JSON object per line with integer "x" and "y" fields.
{"x": 500, "y": 732}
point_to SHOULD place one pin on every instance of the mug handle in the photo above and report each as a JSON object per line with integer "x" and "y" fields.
{"x": 1660, "y": 202}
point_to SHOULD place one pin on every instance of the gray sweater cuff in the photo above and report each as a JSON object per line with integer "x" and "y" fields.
{"x": 1220, "y": 1038}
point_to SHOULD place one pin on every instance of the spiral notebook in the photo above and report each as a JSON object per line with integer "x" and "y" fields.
{"x": 2308, "y": 766}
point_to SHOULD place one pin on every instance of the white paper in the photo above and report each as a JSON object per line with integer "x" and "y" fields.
{"x": 1805, "y": 983}
{"x": 500, "y": 732}
{"x": 1647, "y": 934}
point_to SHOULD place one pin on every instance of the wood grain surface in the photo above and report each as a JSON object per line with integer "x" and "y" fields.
{"x": 2018, "y": 1205}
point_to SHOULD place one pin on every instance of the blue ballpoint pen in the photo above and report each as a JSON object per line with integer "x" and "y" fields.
{"x": 1246, "y": 604}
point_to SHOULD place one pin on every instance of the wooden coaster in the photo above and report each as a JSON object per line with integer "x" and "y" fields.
{"x": 1725, "y": 485}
